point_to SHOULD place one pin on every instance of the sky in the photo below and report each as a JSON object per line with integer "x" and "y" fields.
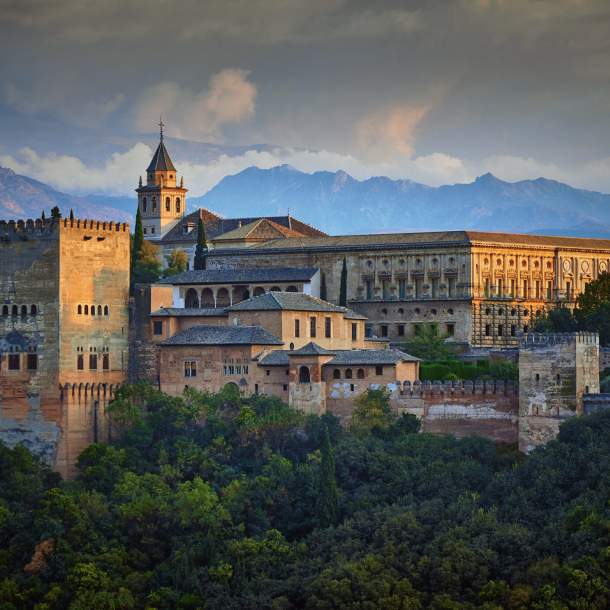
{"x": 434, "y": 91}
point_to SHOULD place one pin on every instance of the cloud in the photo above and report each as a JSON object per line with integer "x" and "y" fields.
{"x": 229, "y": 99}
{"x": 383, "y": 134}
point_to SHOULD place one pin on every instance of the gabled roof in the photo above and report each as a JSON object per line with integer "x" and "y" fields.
{"x": 161, "y": 161}
{"x": 276, "y": 357}
{"x": 190, "y": 312}
{"x": 311, "y": 349}
{"x": 241, "y": 276}
{"x": 295, "y": 301}
{"x": 355, "y": 357}
{"x": 259, "y": 230}
{"x": 223, "y": 335}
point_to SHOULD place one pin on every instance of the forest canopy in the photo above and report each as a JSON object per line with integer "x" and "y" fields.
{"x": 219, "y": 502}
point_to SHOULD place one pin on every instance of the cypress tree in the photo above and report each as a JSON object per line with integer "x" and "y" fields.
{"x": 343, "y": 287}
{"x": 71, "y": 214}
{"x": 42, "y": 216}
{"x": 138, "y": 237}
{"x": 323, "y": 287}
{"x": 328, "y": 503}
{"x": 201, "y": 250}
{"x": 55, "y": 213}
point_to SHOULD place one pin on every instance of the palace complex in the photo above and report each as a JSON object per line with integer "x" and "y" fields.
{"x": 266, "y": 314}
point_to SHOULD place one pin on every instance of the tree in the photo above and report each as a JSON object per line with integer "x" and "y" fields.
{"x": 147, "y": 267}
{"x": 138, "y": 237}
{"x": 428, "y": 344}
{"x": 177, "y": 262}
{"x": 71, "y": 214}
{"x": 593, "y": 308}
{"x": 42, "y": 216}
{"x": 328, "y": 503}
{"x": 55, "y": 213}
{"x": 372, "y": 410}
{"x": 201, "y": 250}
{"x": 557, "y": 320}
{"x": 323, "y": 294}
{"x": 343, "y": 286}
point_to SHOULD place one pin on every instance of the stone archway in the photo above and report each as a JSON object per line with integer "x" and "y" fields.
{"x": 191, "y": 298}
{"x": 222, "y": 298}
{"x": 304, "y": 376}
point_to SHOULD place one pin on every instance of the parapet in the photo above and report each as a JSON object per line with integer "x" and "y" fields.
{"x": 95, "y": 225}
{"x": 24, "y": 230}
{"x": 455, "y": 389}
{"x": 540, "y": 340}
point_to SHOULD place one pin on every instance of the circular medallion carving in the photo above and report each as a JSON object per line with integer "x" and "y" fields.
{"x": 567, "y": 265}
{"x": 585, "y": 266}
{"x": 603, "y": 266}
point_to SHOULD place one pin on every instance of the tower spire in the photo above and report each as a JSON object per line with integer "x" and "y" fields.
{"x": 161, "y": 126}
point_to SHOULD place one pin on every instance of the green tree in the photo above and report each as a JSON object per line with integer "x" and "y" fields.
{"x": 201, "y": 250}
{"x": 328, "y": 503}
{"x": 593, "y": 308}
{"x": 138, "y": 237}
{"x": 42, "y": 216}
{"x": 343, "y": 286}
{"x": 429, "y": 345}
{"x": 372, "y": 410}
{"x": 323, "y": 292}
{"x": 557, "y": 320}
{"x": 177, "y": 262}
{"x": 71, "y": 214}
{"x": 55, "y": 213}
{"x": 147, "y": 267}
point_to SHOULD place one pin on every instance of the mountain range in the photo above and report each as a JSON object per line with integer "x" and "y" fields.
{"x": 338, "y": 203}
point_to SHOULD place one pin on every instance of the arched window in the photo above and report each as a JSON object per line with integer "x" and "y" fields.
{"x": 360, "y": 374}
{"x": 304, "y": 376}
{"x": 207, "y": 298}
{"x": 348, "y": 373}
{"x": 92, "y": 310}
{"x": 24, "y": 311}
{"x": 33, "y": 310}
{"x": 168, "y": 204}
{"x": 222, "y": 298}
{"x": 291, "y": 289}
{"x": 291, "y": 346}
{"x": 258, "y": 291}
{"x": 14, "y": 311}
{"x": 144, "y": 204}
{"x": 106, "y": 310}
{"x": 5, "y": 310}
{"x": 154, "y": 202}
{"x": 99, "y": 310}
{"x": 79, "y": 310}
{"x": 336, "y": 374}
{"x": 191, "y": 299}
{"x": 178, "y": 205}
{"x": 86, "y": 310}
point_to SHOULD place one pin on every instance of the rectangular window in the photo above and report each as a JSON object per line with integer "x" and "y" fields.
{"x": 384, "y": 330}
{"x": 500, "y": 330}
{"x": 434, "y": 284}
{"x": 327, "y": 327}
{"x": 190, "y": 368}
{"x": 512, "y": 288}
{"x": 256, "y": 388}
{"x": 144, "y": 231}
{"x": 419, "y": 287}
{"x": 379, "y": 370}
{"x": 80, "y": 362}
{"x": 538, "y": 289}
{"x": 285, "y": 387}
{"x": 513, "y": 330}
{"x": 368, "y": 287}
{"x": 487, "y": 287}
{"x": 401, "y": 330}
{"x": 385, "y": 288}
{"x": 32, "y": 362}
{"x": 402, "y": 289}
{"x": 569, "y": 290}
{"x": 368, "y": 330}
{"x": 354, "y": 331}
{"x": 158, "y": 327}
{"x": 487, "y": 330}
{"x": 500, "y": 288}
{"x": 416, "y": 329}
{"x": 451, "y": 287}
{"x": 14, "y": 362}
{"x": 312, "y": 326}
{"x": 525, "y": 289}
{"x": 297, "y": 328}
{"x": 450, "y": 329}
{"x": 549, "y": 291}
{"x": 93, "y": 362}
{"x": 106, "y": 362}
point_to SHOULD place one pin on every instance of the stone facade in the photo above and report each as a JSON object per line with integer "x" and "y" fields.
{"x": 64, "y": 331}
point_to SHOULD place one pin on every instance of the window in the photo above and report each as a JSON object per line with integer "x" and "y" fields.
{"x": 354, "y": 331}
{"x": 304, "y": 376}
{"x": 80, "y": 362}
{"x": 348, "y": 373}
{"x": 450, "y": 329}
{"x": 93, "y": 362}
{"x": 537, "y": 377}
{"x": 297, "y": 328}
{"x": 14, "y": 362}
{"x": 401, "y": 330}
{"x": 99, "y": 310}
{"x": 312, "y": 327}
{"x": 32, "y": 362}
{"x": 336, "y": 374}
{"x": 144, "y": 204}
{"x": 569, "y": 290}
{"x": 79, "y": 309}
{"x": 14, "y": 311}
{"x": 402, "y": 289}
{"x": 434, "y": 287}
{"x": 285, "y": 386}
{"x": 33, "y": 310}
{"x": 178, "y": 208}
{"x": 92, "y": 310}
{"x": 5, "y": 310}
{"x": 152, "y": 230}
{"x": 512, "y": 288}
{"x": 144, "y": 230}
{"x": 538, "y": 289}
{"x": 549, "y": 290}
{"x": 487, "y": 330}
{"x": 525, "y": 289}
{"x": 513, "y": 330}
{"x": 558, "y": 378}
{"x": 450, "y": 286}
{"x": 487, "y": 287}
{"x": 106, "y": 310}
{"x": 525, "y": 328}
{"x": 168, "y": 204}
{"x": 368, "y": 288}
{"x": 500, "y": 330}
{"x": 256, "y": 388}
{"x": 158, "y": 327}
{"x": 24, "y": 311}
{"x": 190, "y": 368}
{"x": 419, "y": 287}
{"x": 500, "y": 287}
{"x": 327, "y": 327}
{"x": 154, "y": 203}
{"x": 384, "y": 330}
{"x": 360, "y": 374}
{"x": 385, "y": 288}
{"x": 106, "y": 362}
{"x": 86, "y": 310}
{"x": 379, "y": 370}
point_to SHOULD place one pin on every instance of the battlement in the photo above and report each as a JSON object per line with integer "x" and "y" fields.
{"x": 539, "y": 340}
{"x": 24, "y": 230}
{"x": 455, "y": 389}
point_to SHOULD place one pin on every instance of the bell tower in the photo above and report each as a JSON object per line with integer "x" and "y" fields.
{"x": 161, "y": 201}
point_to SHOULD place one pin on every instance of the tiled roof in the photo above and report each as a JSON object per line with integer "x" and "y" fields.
{"x": 295, "y": 301}
{"x": 190, "y": 312}
{"x": 215, "y": 226}
{"x": 223, "y": 335}
{"x": 161, "y": 161}
{"x": 276, "y": 357}
{"x": 242, "y": 276}
{"x": 311, "y": 349}
{"x": 354, "y": 357}
{"x": 261, "y": 229}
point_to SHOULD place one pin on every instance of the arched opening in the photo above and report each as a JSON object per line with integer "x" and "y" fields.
{"x": 239, "y": 294}
{"x": 275, "y": 289}
{"x": 79, "y": 310}
{"x": 33, "y": 310}
{"x": 144, "y": 204}
{"x": 360, "y": 374}
{"x": 207, "y": 298}
{"x": 99, "y": 310}
{"x": 86, "y": 310}
{"x": 348, "y": 373}
{"x": 106, "y": 310}
{"x": 191, "y": 299}
{"x": 291, "y": 289}
{"x": 154, "y": 203}
{"x": 168, "y": 204}
{"x": 222, "y": 298}
{"x": 304, "y": 376}
{"x": 258, "y": 291}
{"x": 15, "y": 311}
{"x": 24, "y": 311}
{"x": 291, "y": 346}
{"x": 92, "y": 310}
{"x": 5, "y": 310}
{"x": 336, "y": 374}
{"x": 178, "y": 205}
